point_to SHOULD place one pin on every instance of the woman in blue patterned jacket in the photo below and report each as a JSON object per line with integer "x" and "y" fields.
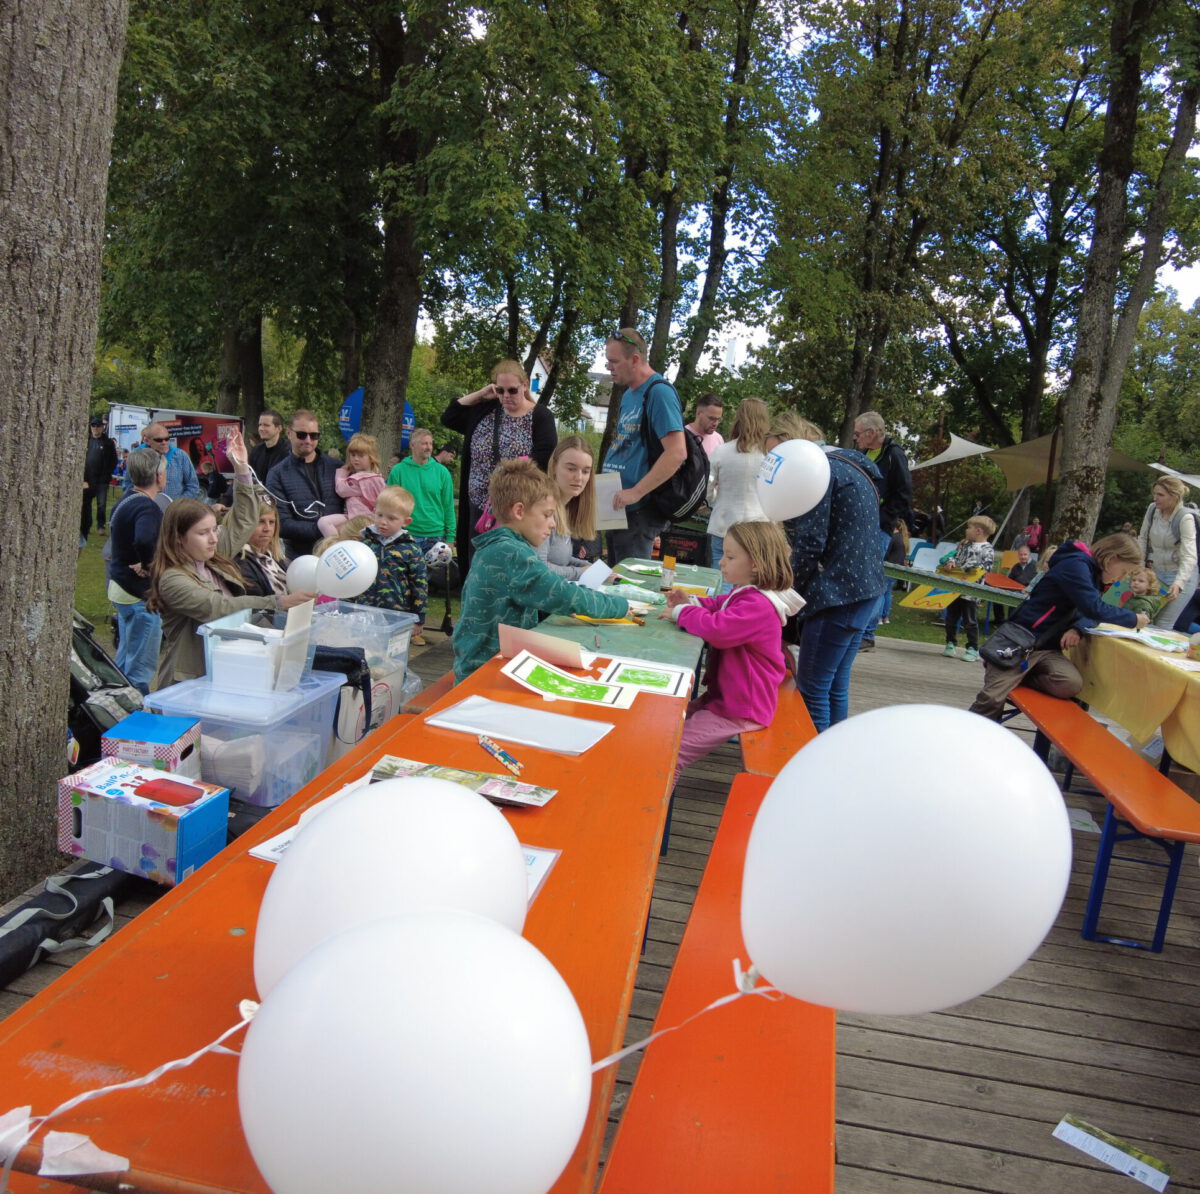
{"x": 838, "y": 571}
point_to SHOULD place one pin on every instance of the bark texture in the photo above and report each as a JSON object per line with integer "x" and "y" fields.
{"x": 58, "y": 82}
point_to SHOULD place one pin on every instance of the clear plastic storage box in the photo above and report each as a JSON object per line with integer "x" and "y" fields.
{"x": 242, "y": 657}
{"x": 383, "y": 633}
{"x": 263, "y": 750}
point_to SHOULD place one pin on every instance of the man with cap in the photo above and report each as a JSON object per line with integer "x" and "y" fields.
{"x": 98, "y": 466}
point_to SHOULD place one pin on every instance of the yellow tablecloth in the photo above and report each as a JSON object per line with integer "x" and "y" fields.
{"x": 1140, "y": 689}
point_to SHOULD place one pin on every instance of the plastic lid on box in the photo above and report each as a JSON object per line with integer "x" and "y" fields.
{"x": 198, "y": 698}
{"x": 150, "y": 727}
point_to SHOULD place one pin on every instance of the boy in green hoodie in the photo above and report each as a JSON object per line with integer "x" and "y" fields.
{"x": 507, "y": 582}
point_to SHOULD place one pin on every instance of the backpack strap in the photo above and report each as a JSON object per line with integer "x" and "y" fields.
{"x": 644, "y": 428}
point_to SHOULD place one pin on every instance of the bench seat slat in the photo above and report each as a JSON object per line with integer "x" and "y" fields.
{"x": 764, "y": 752}
{"x": 743, "y": 1097}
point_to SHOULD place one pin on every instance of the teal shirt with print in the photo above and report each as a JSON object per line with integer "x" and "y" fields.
{"x": 508, "y": 583}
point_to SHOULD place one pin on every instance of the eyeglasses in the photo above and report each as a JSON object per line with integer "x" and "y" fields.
{"x": 160, "y": 439}
{"x": 307, "y": 434}
{"x": 511, "y": 391}
{"x": 620, "y": 335}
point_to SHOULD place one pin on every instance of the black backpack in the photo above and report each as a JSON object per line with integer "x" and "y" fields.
{"x": 679, "y": 495}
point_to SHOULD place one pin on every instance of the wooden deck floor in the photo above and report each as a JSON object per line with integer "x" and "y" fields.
{"x": 965, "y": 1099}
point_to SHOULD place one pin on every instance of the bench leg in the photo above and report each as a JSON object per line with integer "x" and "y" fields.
{"x": 1109, "y": 837}
{"x": 666, "y": 838}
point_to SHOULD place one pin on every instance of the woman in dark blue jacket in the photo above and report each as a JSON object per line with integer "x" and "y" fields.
{"x": 838, "y": 570}
{"x": 1067, "y": 599}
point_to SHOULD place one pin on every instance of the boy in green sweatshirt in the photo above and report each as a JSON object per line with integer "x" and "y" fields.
{"x": 507, "y": 582}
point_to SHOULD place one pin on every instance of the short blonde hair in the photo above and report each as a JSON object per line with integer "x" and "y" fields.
{"x": 1151, "y": 576}
{"x": 517, "y": 481}
{"x": 984, "y": 523}
{"x": 769, "y": 551}
{"x": 395, "y": 499}
{"x": 790, "y": 425}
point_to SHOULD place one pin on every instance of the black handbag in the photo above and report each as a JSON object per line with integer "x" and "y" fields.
{"x": 1009, "y": 646}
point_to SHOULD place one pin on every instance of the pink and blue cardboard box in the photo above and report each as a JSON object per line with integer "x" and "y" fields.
{"x": 168, "y": 743}
{"x": 141, "y": 820}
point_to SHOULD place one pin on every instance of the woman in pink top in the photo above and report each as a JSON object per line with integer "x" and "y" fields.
{"x": 744, "y": 631}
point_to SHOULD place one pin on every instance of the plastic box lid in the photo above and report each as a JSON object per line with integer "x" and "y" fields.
{"x": 198, "y": 698}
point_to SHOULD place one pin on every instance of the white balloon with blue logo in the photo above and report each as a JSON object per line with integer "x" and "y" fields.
{"x": 792, "y": 479}
{"x": 346, "y": 569}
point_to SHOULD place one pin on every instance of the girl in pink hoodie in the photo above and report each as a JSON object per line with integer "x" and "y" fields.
{"x": 744, "y": 631}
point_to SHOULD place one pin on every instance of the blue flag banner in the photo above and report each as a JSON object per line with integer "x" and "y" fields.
{"x": 350, "y": 416}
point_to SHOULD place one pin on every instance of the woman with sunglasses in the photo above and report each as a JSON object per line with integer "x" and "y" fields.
{"x": 499, "y": 422}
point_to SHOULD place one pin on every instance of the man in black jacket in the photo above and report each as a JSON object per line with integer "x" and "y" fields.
{"x": 895, "y": 493}
{"x": 98, "y": 468}
{"x": 272, "y": 446}
{"x": 302, "y": 486}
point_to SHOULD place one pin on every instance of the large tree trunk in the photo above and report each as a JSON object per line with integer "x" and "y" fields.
{"x": 1090, "y": 406}
{"x": 58, "y": 82}
{"x": 240, "y": 390}
{"x": 402, "y": 149}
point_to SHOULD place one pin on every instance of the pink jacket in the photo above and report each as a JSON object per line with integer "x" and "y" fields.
{"x": 745, "y": 666}
{"x": 359, "y": 489}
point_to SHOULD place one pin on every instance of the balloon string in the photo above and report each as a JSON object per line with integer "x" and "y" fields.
{"x": 744, "y": 980}
{"x": 246, "y": 1008}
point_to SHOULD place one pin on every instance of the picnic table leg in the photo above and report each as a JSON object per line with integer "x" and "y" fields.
{"x": 1108, "y": 839}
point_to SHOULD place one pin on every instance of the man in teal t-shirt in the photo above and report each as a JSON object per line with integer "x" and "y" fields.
{"x": 432, "y": 489}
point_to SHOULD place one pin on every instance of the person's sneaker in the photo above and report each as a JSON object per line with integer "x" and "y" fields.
{"x": 884, "y": 621}
{"x": 971, "y": 655}
{"x": 82, "y": 542}
{"x": 950, "y": 651}
{"x": 867, "y": 644}
{"x": 418, "y": 640}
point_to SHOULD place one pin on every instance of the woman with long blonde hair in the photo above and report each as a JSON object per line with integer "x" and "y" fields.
{"x": 1168, "y": 543}
{"x": 574, "y": 543}
{"x": 732, "y": 471}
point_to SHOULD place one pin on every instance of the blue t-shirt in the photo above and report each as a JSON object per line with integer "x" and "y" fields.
{"x": 628, "y": 455}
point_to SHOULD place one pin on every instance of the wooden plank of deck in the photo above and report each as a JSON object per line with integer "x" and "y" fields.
{"x": 966, "y": 1099}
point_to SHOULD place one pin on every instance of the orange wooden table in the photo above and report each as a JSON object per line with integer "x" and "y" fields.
{"x": 741, "y": 1099}
{"x": 170, "y": 982}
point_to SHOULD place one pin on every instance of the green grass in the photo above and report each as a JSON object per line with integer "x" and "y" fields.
{"x": 918, "y": 624}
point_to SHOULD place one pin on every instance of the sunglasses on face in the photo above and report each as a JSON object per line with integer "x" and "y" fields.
{"x": 307, "y": 434}
{"x": 511, "y": 391}
{"x": 160, "y": 439}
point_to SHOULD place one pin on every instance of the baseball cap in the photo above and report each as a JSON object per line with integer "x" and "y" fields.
{"x": 96, "y": 421}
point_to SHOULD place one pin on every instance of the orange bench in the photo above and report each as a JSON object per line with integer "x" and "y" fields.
{"x": 1142, "y": 802}
{"x": 742, "y": 1098}
{"x": 764, "y": 752}
{"x": 429, "y": 694}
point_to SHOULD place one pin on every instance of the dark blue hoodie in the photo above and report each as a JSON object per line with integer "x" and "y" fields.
{"x": 1069, "y": 595}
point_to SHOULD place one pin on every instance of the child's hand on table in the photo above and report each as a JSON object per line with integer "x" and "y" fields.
{"x": 676, "y": 597}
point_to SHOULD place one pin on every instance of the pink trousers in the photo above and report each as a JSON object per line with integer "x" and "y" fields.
{"x": 704, "y": 731}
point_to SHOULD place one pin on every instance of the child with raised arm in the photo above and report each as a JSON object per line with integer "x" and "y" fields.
{"x": 744, "y": 630}
{"x": 507, "y": 582}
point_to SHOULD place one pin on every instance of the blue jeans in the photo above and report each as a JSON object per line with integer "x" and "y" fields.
{"x": 137, "y": 652}
{"x": 828, "y": 647}
{"x": 884, "y": 598}
{"x": 716, "y": 549}
{"x": 637, "y": 542}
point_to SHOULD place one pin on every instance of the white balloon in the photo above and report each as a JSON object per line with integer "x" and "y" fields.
{"x": 302, "y": 575}
{"x": 792, "y": 479}
{"x": 346, "y": 569}
{"x": 392, "y": 847}
{"x": 913, "y": 884}
{"x": 432, "y": 1053}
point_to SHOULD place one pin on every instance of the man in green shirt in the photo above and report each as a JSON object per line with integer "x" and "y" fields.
{"x": 432, "y": 488}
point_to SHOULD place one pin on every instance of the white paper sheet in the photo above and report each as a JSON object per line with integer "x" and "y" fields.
{"x": 554, "y": 684}
{"x": 595, "y": 575}
{"x": 608, "y": 485}
{"x": 527, "y": 727}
